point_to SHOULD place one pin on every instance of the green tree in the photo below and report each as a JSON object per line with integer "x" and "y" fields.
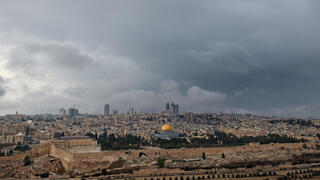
{"x": 305, "y": 146}
{"x": 161, "y": 161}
{"x": 44, "y": 175}
{"x": 27, "y": 160}
{"x": 104, "y": 171}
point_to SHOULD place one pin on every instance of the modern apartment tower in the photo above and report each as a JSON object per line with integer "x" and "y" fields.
{"x": 106, "y": 110}
{"x": 167, "y": 106}
{"x": 72, "y": 112}
{"x": 176, "y": 109}
{"x": 172, "y": 108}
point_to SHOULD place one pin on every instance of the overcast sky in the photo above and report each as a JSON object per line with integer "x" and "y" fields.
{"x": 242, "y": 56}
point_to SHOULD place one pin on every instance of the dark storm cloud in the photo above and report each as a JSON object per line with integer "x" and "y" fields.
{"x": 261, "y": 55}
{"x": 2, "y": 91}
{"x": 27, "y": 55}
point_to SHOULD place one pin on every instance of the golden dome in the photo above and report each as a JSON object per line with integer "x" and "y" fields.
{"x": 166, "y": 127}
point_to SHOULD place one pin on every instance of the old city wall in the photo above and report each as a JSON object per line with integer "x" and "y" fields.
{"x": 103, "y": 159}
{"x": 65, "y": 156}
{"x": 96, "y": 159}
{"x": 42, "y": 149}
{"x": 183, "y": 153}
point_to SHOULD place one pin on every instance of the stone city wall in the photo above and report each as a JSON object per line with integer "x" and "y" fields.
{"x": 69, "y": 143}
{"x": 81, "y": 160}
{"x": 96, "y": 159}
{"x": 103, "y": 159}
{"x": 65, "y": 156}
{"x": 184, "y": 153}
{"x": 40, "y": 150}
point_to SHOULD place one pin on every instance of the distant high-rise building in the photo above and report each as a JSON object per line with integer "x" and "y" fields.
{"x": 115, "y": 112}
{"x": 62, "y": 112}
{"x": 174, "y": 108}
{"x": 176, "y": 111}
{"x": 167, "y": 106}
{"x": 72, "y": 112}
{"x": 106, "y": 110}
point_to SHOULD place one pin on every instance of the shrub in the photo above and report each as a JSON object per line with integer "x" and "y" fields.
{"x": 104, "y": 171}
{"x": 27, "y": 160}
{"x": 161, "y": 161}
{"x": 44, "y": 175}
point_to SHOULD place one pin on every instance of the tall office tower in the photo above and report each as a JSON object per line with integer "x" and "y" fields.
{"x": 72, "y": 112}
{"x": 176, "y": 111}
{"x": 62, "y": 112}
{"x": 174, "y": 108}
{"x": 106, "y": 110}
{"x": 167, "y": 106}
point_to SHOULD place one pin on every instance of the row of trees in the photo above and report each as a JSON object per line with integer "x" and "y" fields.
{"x": 305, "y": 174}
{"x": 264, "y": 174}
{"x": 113, "y": 142}
{"x": 219, "y": 138}
{"x": 223, "y": 139}
{"x": 22, "y": 148}
{"x": 8, "y": 153}
{"x": 19, "y": 147}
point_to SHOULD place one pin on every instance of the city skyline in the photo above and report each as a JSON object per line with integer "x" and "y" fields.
{"x": 169, "y": 107}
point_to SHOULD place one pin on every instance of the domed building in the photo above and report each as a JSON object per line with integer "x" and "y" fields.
{"x": 166, "y": 132}
{"x": 166, "y": 127}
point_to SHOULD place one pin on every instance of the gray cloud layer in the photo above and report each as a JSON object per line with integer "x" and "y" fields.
{"x": 2, "y": 90}
{"x": 246, "y": 56}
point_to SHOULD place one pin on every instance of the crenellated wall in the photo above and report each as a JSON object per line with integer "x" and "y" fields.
{"x": 65, "y": 156}
{"x": 97, "y": 159}
{"x": 40, "y": 150}
{"x": 86, "y": 160}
